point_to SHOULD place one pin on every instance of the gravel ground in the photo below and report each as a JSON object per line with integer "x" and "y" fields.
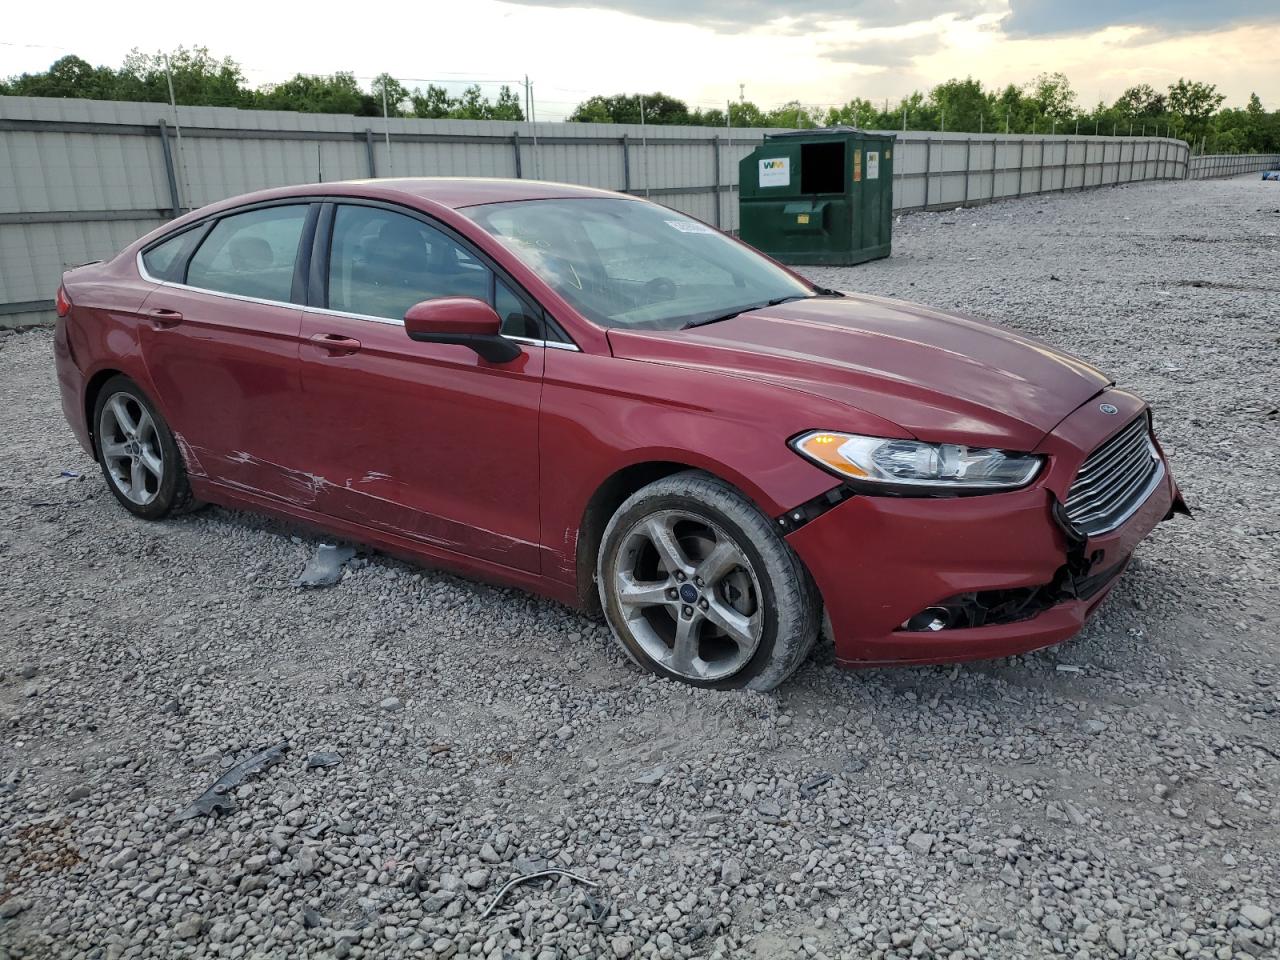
{"x": 1115, "y": 796}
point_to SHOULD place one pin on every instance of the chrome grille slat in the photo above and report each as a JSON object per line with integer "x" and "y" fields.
{"x": 1122, "y": 492}
{"x": 1113, "y": 448}
{"x": 1107, "y": 484}
{"x": 1090, "y": 473}
{"x": 1114, "y": 480}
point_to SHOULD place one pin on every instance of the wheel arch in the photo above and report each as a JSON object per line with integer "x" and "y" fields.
{"x": 93, "y": 387}
{"x": 610, "y": 494}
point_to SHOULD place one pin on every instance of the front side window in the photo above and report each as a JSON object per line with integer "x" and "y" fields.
{"x": 251, "y": 254}
{"x": 381, "y": 263}
{"x": 631, "y": 264}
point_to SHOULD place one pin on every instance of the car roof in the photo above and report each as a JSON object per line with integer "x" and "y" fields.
{"x": 451, "y": 192}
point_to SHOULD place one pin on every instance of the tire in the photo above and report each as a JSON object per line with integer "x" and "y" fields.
{"x": 137, "y": 453}
{"x": 737, "y": 611}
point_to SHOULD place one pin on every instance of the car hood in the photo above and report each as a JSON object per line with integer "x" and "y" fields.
{"x": 943, "y": 377}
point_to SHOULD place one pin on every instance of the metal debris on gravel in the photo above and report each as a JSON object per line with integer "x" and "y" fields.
{"x": 218, "y": 798}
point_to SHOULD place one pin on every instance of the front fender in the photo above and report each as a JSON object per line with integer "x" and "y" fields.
{"x": 602, "y": 415}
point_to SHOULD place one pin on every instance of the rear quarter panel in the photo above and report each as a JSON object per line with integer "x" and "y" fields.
{"x": 101, "y": 332}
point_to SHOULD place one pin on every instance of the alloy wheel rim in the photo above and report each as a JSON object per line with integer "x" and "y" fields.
{"x": 131, "y": 448}
{"x": 689, "y": 595}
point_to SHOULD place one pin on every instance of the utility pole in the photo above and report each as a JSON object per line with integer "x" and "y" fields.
{"x": 177, "y": 129}
{"x": 386, "y": 128}
{"x": 742, "y": 93}
{"x": 644, "y": 147}
{"x": 533, "y": 127}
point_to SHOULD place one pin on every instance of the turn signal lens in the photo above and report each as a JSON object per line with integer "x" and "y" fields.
{"x": 825, "y": 449}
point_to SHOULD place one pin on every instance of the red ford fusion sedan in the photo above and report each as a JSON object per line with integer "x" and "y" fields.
{"x": 596, "y": 398}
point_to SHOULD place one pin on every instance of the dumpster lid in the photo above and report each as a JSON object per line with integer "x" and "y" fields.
{"x": 836, "y": 131}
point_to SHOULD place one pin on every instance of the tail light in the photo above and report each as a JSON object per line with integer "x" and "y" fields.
{"x": 62, "y": 301}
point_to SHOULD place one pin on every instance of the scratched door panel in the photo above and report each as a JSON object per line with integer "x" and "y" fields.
{"x": 427, "y": 441}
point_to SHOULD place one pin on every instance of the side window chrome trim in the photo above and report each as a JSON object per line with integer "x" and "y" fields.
{"x": 529, "y": 341}
{"x": 214, "y": 293}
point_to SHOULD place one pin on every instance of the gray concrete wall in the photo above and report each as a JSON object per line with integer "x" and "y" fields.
{"x": 79, "y": 179}
{"x": 1212, "y": 165}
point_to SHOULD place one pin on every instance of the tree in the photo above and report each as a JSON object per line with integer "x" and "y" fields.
{"x": 431, "y": 103}
{"x": 963, "y": 104}
{"x": 793, "y": 114}
{"x": 339, "y": 93}
{"x": 658, "y": 108}
{"x": 198, "y": 78}
{"x": 435, "y": 102}
{"x": 1142, "y": 102}
{"x": 1194, "y": 103}
{"x": 1051, "y": 95}
{"x": 68, "y": 76}
{"x": 856, "y": 113}
{"x": 390, "y": 95}
{"x": 507, "y": 106}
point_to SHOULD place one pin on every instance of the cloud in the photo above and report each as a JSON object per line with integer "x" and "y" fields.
{"x": 736, "y": 16}
{"x": 1029, "y": 18}
{"x": 884, "y": 53}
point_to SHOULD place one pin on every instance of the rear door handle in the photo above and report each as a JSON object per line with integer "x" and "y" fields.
{"x": 164, "y": 317}
{"x": 336, "y": 344}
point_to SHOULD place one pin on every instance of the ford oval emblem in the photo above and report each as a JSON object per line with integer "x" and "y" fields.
{"x": 1110, "y": 409}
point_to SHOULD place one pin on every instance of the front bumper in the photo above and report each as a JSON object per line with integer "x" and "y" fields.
{"x": 880, "y": 560}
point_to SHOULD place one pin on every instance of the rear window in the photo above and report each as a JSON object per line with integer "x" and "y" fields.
{"x": 251, "y": 254}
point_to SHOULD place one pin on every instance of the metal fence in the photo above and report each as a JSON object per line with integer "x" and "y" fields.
{"x": 80, "y": 179}
{"x": 1231, "y": 164}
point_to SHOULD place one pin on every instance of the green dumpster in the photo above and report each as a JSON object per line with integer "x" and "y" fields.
{"x": 819, "y": 196}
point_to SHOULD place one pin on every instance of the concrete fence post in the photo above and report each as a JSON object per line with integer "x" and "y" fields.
{"x": 515, "y": 150}
{"x": 368, "y": 148}
{"x": 715, "y": 183}
{"x": 626, "y": 165}
{"x": 928, "y": 164}
{"x": 175, "y": 199}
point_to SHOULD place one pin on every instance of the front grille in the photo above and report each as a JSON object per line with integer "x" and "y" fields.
{"x": 1115, "y": 480}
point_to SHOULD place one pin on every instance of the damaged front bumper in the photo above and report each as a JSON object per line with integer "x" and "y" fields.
{"x": 975, "y": 577}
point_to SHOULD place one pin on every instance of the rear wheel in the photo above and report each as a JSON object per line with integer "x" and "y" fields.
{"x": 697, "y": 586}
{"x": 137, "y": 452}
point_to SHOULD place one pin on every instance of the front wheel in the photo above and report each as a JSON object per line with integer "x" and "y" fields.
{"x": 697, "y": 586}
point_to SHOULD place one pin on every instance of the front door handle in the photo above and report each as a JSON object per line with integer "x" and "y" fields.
{"x": 335, "y": 344}
{"x": 164, "y": 317}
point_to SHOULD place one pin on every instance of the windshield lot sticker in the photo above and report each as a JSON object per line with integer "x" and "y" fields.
{"x": 775, "y": 172}
{"x": 690, "y": 226}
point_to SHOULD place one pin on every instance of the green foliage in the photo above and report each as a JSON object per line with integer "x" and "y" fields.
{"x": 339, "y": 93}
{"x": 1188, "y": 109}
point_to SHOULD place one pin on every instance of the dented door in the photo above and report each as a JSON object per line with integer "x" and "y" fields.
{"x": 426, "y": 441}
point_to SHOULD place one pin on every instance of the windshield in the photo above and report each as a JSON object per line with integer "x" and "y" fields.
{"x": 626, "y": 263}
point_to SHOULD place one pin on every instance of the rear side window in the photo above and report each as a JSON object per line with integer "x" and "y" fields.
{"x": 251, "y": 254}
{"x": 165, "y": 258}
{"x": 381, "y": 263}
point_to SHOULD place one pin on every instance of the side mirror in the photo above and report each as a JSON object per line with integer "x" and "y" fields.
{"x": 461, "y": 320}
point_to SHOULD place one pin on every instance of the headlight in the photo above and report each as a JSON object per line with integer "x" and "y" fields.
{"x": 911, "y": 463}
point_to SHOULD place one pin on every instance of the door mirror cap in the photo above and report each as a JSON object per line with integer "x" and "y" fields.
{"x": 464, "y": 321}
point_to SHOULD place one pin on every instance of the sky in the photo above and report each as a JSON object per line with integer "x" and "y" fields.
{"x": 821, "y": 52}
